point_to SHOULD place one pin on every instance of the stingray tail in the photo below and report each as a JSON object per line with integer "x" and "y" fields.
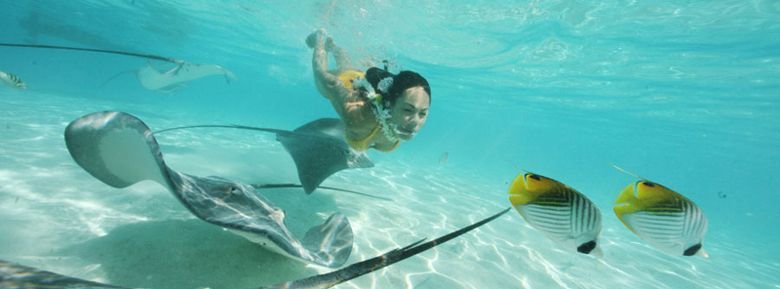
{"x": 117, "y": 52}
{"x": 350, "y": 272}
{"x": 288, "y": 185}
{"x": 271, "y": 130}
{"x": 115, "y": 76}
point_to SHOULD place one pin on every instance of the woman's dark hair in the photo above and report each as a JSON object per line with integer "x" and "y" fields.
{"x": 401, "y": 82}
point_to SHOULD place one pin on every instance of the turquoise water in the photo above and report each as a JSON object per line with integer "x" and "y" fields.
{"x": 685, "y": 94}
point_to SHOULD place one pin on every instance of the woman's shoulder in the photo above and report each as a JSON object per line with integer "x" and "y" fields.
{"x": 348, "y": 76}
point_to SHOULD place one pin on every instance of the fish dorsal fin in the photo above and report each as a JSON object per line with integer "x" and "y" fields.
{"x": 627, "y": 172}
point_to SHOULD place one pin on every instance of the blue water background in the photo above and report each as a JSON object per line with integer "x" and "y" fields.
{"x": 684, "y": 93}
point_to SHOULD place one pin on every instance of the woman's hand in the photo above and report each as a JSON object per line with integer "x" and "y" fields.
{"x": 317, "y": 38}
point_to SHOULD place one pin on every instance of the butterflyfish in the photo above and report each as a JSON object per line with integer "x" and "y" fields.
{"x": 12, "y": 80}
{"x": 664, "y": 218}
{"x": 560, "y": 212}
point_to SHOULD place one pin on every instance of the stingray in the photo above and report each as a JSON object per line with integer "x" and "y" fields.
{"x": 120, "y": 150}
{"x": 19, "y": 276}
{"x": 176, "y": 77}
{"x": 317, "y": 148}
{"x": 150, "y": 77}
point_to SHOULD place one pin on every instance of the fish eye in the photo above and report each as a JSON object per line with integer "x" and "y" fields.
{"x": 535, "y": 177}
{"x": 649, "y": 184}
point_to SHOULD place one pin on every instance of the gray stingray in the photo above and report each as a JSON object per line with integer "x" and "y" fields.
{"x": 15, "y": 276}
{"x": 120, "y": 150}
{"x": 317, "y": 148}
{"x": 183, "y": 72}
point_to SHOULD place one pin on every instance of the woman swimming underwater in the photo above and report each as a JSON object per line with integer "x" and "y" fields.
{"x": 379, "y": 109}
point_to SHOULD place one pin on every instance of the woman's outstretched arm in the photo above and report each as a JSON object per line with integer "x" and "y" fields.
{"x": 327, "y": 82}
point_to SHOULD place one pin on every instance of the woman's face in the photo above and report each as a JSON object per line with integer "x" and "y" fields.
{"x": 409, "y": 112}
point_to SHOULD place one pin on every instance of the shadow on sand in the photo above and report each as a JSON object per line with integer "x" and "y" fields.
{"x": 184, "y": 254}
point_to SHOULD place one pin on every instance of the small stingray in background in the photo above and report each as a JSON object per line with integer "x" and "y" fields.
{"x": 12, "y": 80}
{"x": 150, "y": 77}
{"x": 176, "y": 77}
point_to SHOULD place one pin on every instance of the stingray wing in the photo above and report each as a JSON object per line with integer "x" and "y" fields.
{"x": 319, "y": 151}
{"x": 120, "y": 150}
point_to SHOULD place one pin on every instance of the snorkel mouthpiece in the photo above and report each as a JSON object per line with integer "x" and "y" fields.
{"x": 398, "y": 132}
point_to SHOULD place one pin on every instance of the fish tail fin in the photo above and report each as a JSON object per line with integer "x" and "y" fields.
{"x": 703, "y": 254}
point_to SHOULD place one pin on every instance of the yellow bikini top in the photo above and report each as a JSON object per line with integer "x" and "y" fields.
{"x": 347, "y": 77}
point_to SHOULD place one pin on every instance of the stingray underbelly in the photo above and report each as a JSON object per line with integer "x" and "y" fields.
{"x": 265, "y": 242}
{"x": 151, "y": 79}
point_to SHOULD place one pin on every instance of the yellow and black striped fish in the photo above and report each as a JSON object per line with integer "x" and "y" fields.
{"x": 560, "y": 212}
{"x": 12, "y": 80}
{"x": 662, "y": 217}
